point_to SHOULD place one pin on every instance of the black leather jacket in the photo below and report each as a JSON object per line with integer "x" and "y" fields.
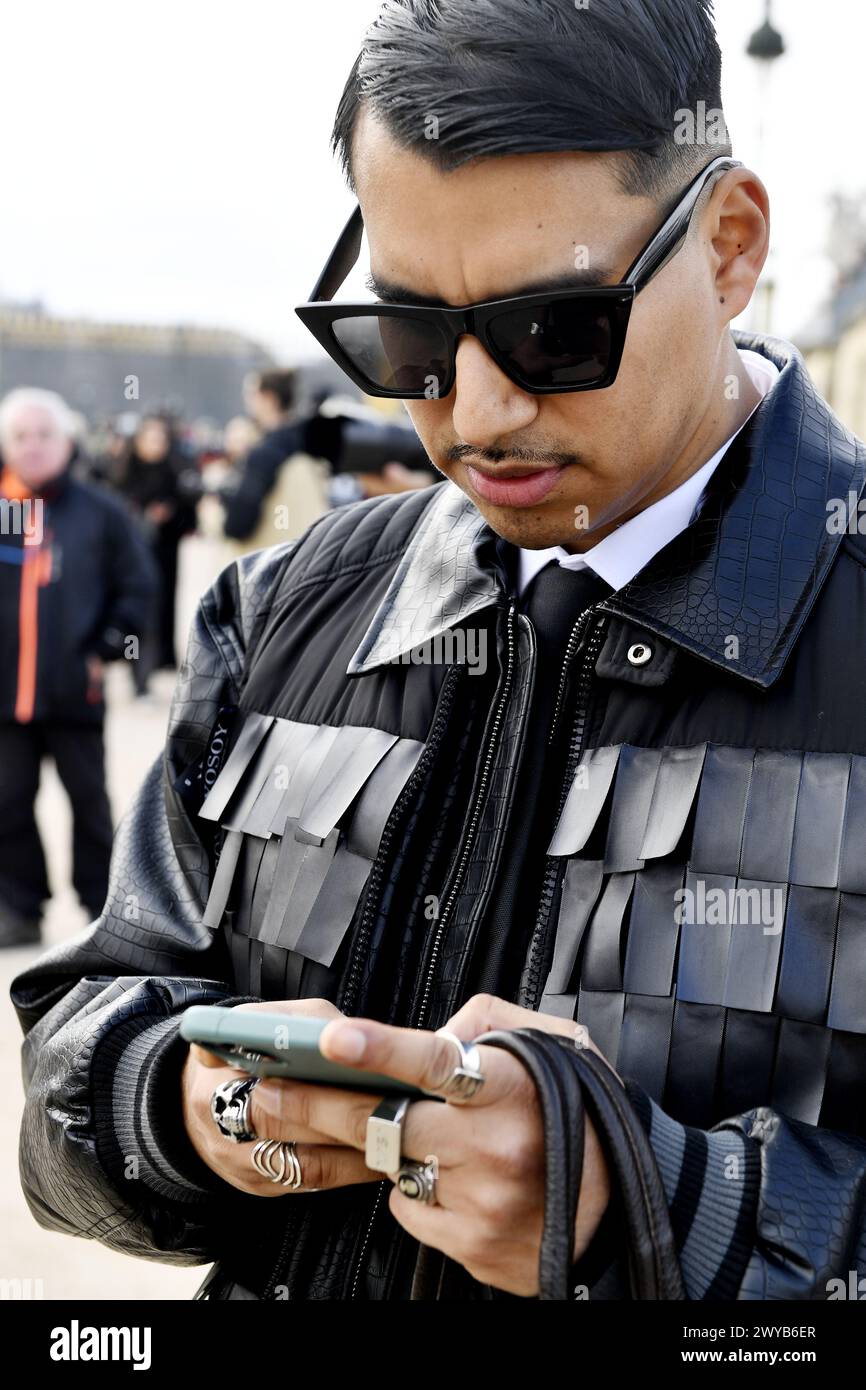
{"x": 711, "y": 764}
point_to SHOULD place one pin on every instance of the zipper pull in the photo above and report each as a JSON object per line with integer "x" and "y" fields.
{"x": 576, "y": 644}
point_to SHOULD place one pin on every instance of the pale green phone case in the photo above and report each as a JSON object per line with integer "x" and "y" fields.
{"x": 281, "y": 1045}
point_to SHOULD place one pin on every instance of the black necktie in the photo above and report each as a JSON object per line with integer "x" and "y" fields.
{"x": 553, "y": 601}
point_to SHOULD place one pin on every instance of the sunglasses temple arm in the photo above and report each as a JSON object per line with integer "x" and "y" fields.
{"x": 342, "y": 258}
{"x": 662, "y": 247}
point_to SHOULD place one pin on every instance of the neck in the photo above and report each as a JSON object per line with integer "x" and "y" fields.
{"x": 731, "y": 397}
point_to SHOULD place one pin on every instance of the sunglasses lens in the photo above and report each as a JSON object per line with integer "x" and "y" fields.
{"x": 396, "y": 353}
{"x": 565, "y": 342}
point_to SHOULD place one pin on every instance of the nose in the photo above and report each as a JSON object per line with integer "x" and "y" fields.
{"x": 487, "y": 404}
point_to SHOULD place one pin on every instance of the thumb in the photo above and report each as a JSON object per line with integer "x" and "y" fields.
{"x": 485, "y": 1012}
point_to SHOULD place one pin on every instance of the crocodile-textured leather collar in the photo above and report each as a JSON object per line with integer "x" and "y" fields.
{"x": 751, "y": 565}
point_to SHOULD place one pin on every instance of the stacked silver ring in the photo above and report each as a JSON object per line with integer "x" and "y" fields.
{"x": 289, "y": 1173}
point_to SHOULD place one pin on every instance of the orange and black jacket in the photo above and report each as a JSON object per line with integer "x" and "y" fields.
{"x": 76, "y": 580}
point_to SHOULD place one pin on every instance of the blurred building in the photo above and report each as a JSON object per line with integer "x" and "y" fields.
{"x": 834, "y": 344}
{"x": 835, "y": 351}
{"x": 834, "y": 347}
{"x": 109, "y": 368}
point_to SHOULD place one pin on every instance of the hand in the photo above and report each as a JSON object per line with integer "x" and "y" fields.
{"x": 490, "y": 1188}
{"x": 325, "y": 1161}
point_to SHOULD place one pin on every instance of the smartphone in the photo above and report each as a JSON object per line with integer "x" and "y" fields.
{"x": 282, "y": 1045}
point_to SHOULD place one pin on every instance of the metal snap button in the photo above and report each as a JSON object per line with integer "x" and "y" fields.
{"x": 640, "y": 653}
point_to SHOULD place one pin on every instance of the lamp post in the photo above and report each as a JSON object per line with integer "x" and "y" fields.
{"x": 765, "y": 46}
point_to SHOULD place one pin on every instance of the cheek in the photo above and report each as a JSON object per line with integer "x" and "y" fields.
{"x": 654, "y": 348}
{"x": 667, "y": 357}
{"x": 431, "y": 420}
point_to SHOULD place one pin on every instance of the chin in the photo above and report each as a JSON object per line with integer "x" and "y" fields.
{"x": 528, "y": 528}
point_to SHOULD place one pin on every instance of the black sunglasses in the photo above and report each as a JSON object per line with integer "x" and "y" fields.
{"x": 562, "y": 340}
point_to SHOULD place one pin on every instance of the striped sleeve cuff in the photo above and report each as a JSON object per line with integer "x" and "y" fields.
{"x": 711, "y": 1180}
{"x": 138, "y": 1113}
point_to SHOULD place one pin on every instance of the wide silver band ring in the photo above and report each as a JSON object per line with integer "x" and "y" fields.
{"x": 467, "y": 1077}
{"x": 230, "y": 1108}
{"x": 384, "y": 1135}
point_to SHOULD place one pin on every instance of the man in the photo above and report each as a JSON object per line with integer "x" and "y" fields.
{"x": 279, "y": 491}
{"x": 634, "y": 527}
{"x": 75, "y": 583}
{"x": 284, "y": 484}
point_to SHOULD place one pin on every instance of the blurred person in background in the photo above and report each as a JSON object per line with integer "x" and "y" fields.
{"x": 302, "y": 468}
{"x": 279, "y": 489}
{"x": 220, "y": 475}
{"x": 75, "y": 586}
{"x": 154, "y": 478}
{"x": 107, "y": 444}
{"x": 369, "y": 456}
{"x": 240, "y": 437}
{"x": 204, "y": 440}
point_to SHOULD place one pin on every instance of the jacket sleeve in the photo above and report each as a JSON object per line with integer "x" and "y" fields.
{"x": 130, "y": 584}
{"x": 103, "y": 1150}
{"x": 763, "y": 1206}
{"x": 243, "y": 502}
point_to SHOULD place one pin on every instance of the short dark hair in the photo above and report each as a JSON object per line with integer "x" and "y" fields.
{"x": 281, "y": 382}
{"x": 512, "y": 77}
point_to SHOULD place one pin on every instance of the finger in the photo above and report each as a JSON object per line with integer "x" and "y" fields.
{"x": 342, "y": 1115}
{"x": 323, "y": 1166}
{"x": 270, "y": 1121}
{"x": 429, "y": 1222}
{"x": 485, "y": 1012}
{"x": 415, "y": 1055}
{"x": 306, "y": 1008}
{"x": 263, "y": 1122}
{"x": 332, "y": 1165}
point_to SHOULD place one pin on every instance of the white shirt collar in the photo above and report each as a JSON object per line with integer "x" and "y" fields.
{"x": 620, "y": 556}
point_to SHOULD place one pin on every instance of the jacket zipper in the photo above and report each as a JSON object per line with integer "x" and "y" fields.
{"x": 350, "y": 993}
{"x": 589, "y": 647}
{"x": 456, "y": 882}
{"x": 474, "y": 820}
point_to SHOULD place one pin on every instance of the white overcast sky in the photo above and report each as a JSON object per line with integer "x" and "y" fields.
{"x": 169, "y": 162}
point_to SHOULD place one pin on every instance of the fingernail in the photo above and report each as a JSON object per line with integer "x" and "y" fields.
{"x": 348, "y": 1044}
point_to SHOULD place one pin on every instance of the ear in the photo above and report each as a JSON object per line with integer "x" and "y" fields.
{"x": 739, "y": 232}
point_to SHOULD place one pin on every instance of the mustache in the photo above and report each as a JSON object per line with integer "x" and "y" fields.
{"x": 549, "y": 458}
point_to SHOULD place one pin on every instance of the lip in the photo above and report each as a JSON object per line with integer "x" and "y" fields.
{"x": 518, "y": 490}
